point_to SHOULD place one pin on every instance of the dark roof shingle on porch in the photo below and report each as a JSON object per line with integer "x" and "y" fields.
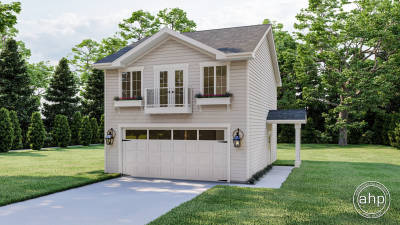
{"x": 292, "y": 114}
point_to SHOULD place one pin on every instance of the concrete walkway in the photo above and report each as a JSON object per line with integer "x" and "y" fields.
{"x": 272, "y": 179}
{"x": 124, "y": 200}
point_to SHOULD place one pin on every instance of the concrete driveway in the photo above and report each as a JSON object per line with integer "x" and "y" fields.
{"x": 124, "y": 200}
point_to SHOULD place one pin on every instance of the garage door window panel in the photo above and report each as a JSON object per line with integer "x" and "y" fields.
{"x": 136, "y": 134}
{"x": 185, "y": 134}
{"x": 160, "y": 134}
{"x": 211, "y": 135}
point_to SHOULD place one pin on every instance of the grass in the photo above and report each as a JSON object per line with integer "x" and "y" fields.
{"x": 28, "y": 174}
{"x": 319, "y": 192}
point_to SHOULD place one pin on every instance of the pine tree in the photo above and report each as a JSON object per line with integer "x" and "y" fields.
{"x": 76, "y": 123}
{"x": 36, "y": 132}
{"x": 17, "y": 141}
{"x": 16, "y": 92}
{"x": 93, "y": 102}
{"x": 95, "y": 127}
{"x": 61, "y": 132}
{"x": 6, "y": 131}
{"x": 100, "y": 132}
{"x": 85, "y": 132}
{"x": 61, "y": 94}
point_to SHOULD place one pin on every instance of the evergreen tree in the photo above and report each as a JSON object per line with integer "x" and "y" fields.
{"x": 76, "y": 123}
{"x": 95, "y": 127}
{"x": 93, "y": 102}
{"x": 6, "y": 130}
{"x": 100, "y": 132}
{"x": 61, "y": 132}
{"x": 85, "y": 132}
{"x": 36, "y": 132}
{"x": 17, "y": 140}
{"x": 16, "y": 92}
{"x": 61, "y": 94}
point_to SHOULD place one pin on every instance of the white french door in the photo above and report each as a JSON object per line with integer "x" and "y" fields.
{"x": 171, "y": 81}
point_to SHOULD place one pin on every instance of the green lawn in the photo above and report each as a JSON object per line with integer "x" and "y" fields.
{"x": 319, "y": 192}
{"x": 28, "y": 174}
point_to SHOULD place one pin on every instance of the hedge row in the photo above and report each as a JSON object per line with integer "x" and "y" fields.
{"x": 81, "y": 130}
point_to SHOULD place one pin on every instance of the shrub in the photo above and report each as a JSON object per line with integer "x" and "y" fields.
{"x": 394, "y": 136}
{"x": 17, "y": 140}
{"x": 36, "y": 132}
{"x": 85, "y": 132}
{"x": 6, "y": 131}
{"x": 95, "y": 127}
{"x": 76, "y": 124}
{"x": 61, "y": 132}
{"x": 100, "y": 132}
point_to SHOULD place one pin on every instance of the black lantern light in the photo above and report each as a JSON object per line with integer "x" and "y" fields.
{"x": 237, "y": 137}
{"x": 110, "y": 136}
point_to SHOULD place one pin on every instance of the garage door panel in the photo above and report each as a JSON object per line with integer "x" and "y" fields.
{"x": 179, "y": 159}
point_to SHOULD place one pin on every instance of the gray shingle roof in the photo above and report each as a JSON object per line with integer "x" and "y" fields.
{"x": 226, "y": 40}
{"x": 293, "y": 114}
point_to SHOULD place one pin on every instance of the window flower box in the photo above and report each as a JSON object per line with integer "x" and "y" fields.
{"x": 224, "y": 99}
{"x": 128, "y": 102}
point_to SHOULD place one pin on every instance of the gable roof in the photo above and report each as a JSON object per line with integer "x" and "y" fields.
{"x": 226, "y": 40}
{"x": 235, "y": 43}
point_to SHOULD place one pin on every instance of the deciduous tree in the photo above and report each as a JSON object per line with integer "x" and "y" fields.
{"x": 176, "y": 19}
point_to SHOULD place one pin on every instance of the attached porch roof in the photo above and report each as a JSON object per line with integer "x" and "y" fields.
{"x": 292, "y": 116}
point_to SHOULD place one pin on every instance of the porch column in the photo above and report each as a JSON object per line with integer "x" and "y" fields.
{"x": 297, "y": 127}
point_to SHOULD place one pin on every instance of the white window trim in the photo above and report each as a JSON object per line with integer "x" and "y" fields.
{"x": 131, "y": 69}
{"x": 214, "y": 64}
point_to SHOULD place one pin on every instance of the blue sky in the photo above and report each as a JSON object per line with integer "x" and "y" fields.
{"x": 51, "y": 28}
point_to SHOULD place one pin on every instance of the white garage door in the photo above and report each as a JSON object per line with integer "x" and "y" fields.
{"x": 177, "y": 154}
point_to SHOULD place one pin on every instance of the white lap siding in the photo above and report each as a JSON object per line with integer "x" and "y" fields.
{"x": 174, "y": 52}
{"x": 262, "y": 97}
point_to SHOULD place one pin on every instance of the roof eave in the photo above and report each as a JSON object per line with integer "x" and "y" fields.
{"x": 287, "y": 121}
{"x": 104, "y": 66}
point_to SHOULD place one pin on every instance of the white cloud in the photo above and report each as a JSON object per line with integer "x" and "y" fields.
{"x": 51, "y": 28}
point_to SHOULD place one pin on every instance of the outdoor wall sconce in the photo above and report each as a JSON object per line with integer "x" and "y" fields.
{"x": 237, "y": 137}
{"x": 110, "y": 136}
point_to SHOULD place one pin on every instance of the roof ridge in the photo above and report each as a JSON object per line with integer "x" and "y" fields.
{"x": 227, "y": 28}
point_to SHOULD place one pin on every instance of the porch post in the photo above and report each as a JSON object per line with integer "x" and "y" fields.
{"x": 297, "y": 127}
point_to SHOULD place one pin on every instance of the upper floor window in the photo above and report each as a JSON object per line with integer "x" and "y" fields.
{"x": 214, "y": 79}
{"x": 131, "y": 84}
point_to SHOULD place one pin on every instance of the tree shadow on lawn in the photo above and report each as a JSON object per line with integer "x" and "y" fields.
{"x": 29, "y": 153}
{"x": 289, "y": 146}
{"x": 19, "y": 188}
{"x": 319, "y": 192}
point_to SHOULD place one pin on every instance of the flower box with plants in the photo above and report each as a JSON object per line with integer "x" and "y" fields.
{"x": 221, "y": 99}
{"x": 135, "y": 101}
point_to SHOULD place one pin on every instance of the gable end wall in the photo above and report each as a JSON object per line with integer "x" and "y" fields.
{"x": 262, "y": 96}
